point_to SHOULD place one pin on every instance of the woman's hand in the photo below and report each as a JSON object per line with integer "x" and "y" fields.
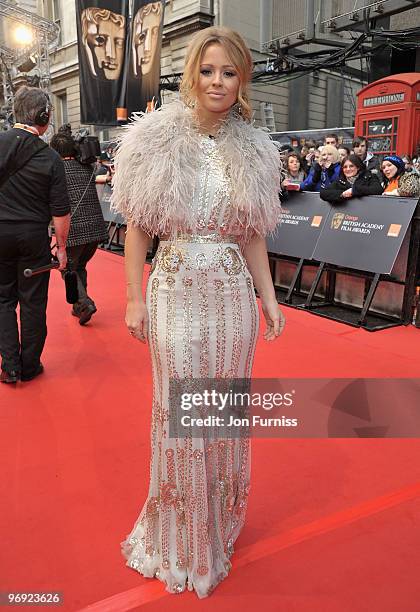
{"x": 347, "y": 193}
{"x": 274, "y": 319}
{"x": 137, "y": 320}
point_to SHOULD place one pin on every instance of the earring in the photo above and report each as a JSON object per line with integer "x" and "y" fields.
{"x": 237, "y": 108}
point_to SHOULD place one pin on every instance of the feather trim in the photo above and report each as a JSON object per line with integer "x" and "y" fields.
{"x": 157, "y": 162}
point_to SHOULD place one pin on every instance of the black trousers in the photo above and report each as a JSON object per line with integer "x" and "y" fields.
{"x": 78, "y": 258}
{"x": 23, "y": 245}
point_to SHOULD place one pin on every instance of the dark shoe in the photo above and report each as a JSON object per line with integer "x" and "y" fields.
{"x": 38, "y": 371}
{"x": 9, "y": 377}
{"x": 75, "y": 311}
{"x": 86, "y": 313}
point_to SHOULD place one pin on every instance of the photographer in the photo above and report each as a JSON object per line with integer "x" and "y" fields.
{"x": 87, "y": 227}
{"x": 105, "y": 171}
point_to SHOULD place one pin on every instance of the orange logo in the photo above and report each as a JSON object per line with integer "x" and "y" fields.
{"x": 394, "y": 230}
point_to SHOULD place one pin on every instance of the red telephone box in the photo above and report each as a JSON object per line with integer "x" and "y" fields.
{"x": 388, "y": 114}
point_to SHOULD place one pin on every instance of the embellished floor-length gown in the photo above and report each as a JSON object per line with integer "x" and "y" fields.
{"x": 203, "y": 324}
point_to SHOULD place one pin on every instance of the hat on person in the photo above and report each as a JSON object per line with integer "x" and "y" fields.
{"x": 396, "y": 160}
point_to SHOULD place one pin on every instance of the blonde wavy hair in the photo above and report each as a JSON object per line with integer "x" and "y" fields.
{"x": 237, "y": 52}
{"x": 333, "y": 150}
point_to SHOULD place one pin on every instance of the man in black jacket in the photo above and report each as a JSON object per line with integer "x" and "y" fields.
{"x": 32, "y": 191}
{"x": 371, "y": 161}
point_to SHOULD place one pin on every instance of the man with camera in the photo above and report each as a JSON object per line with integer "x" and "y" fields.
{"x": 32, "y": 191}
{"x": 87, "y": 227}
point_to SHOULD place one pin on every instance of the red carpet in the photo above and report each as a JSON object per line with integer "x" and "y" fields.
{"x": 333, "y": 525}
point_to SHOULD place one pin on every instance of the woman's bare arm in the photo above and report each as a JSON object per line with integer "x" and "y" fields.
{"x": 136, "y": 244}
{"x": 255, "y": 253}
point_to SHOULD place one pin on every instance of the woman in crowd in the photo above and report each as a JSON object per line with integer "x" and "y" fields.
{"x": 87, "y": 226}
{"x": 343, "y": 152}
{"x": 409, "y": 164}
{"x": 199, "y": 175}
{"x": 309, "y": 154}
{"x": 399, "y": 182}
{"x": 324, "y": 171}
{"x": 294, "y": 171}
{"x": 354, "y": 181}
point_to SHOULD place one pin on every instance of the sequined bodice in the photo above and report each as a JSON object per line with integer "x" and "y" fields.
{"x": 211, "y": 200}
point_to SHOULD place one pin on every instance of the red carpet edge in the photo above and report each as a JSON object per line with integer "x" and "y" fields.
{"x": 133, "y": 598}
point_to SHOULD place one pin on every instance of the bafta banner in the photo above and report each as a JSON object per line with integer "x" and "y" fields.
{"x": 143, "y": 71}
{"x": 102, "y": 27}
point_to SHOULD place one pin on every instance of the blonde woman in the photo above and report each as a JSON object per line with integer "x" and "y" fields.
{"x": 201, "y": 177}
{"x": 324, "y": 171}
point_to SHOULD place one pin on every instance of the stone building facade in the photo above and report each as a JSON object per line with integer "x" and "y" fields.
{"x": 323, "y": 99}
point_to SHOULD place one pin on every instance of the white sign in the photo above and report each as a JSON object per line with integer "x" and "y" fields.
{"x": 388, "y": 99}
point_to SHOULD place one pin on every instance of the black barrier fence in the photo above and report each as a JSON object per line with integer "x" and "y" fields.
{"x": 116, "y": 224}
{"x": 355, "y": 262}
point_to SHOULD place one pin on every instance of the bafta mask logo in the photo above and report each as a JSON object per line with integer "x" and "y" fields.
{"x": 103, "y": 35}
{"x": 146, "y": 27}
{"x": 337, "y": 220}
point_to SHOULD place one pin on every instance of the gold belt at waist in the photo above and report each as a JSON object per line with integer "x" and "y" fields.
{"x": 199, "y": 238}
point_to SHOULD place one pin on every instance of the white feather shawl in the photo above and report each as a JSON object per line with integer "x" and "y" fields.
{"x": 156, "y": 166}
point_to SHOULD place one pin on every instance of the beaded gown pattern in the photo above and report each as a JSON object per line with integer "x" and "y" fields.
{"x": 203, "y": 324}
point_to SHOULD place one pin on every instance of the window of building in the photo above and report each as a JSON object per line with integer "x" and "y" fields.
{"x": 61, "y": 110}
{"x": 54, "y": 14}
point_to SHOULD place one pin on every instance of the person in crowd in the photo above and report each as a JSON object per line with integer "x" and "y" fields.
{"x": 317, "y": 154}
{"x": 109, "y": 153}
{"x": 399, "y": 182}
{"x": 87, "y": 228}
{"x": 104, "y": 172}
{"x": 354, "y": 181}
{"x": 360, "y": 148}
{"x": 331, "y": 139}
{"x": 310, "y": 155}
{"x": 311, "y": 147}
{"x": 284, "y": 150}
{"x": 343, "y": 152}
{"x": 416, "y": 158}
{"x": 171, "y": 180}
{"x": 304, "y": 150}
{"x": 33, "y": 191}
{"x": 294, "y": 172}
{"x": 323, "y": 172}
{"x": 409, "y": 165}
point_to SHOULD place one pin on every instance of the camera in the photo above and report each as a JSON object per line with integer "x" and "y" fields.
{"x": 87, "y": 147}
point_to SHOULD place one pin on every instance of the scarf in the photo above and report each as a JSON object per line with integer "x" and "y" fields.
{"x": 157, "y": 162}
